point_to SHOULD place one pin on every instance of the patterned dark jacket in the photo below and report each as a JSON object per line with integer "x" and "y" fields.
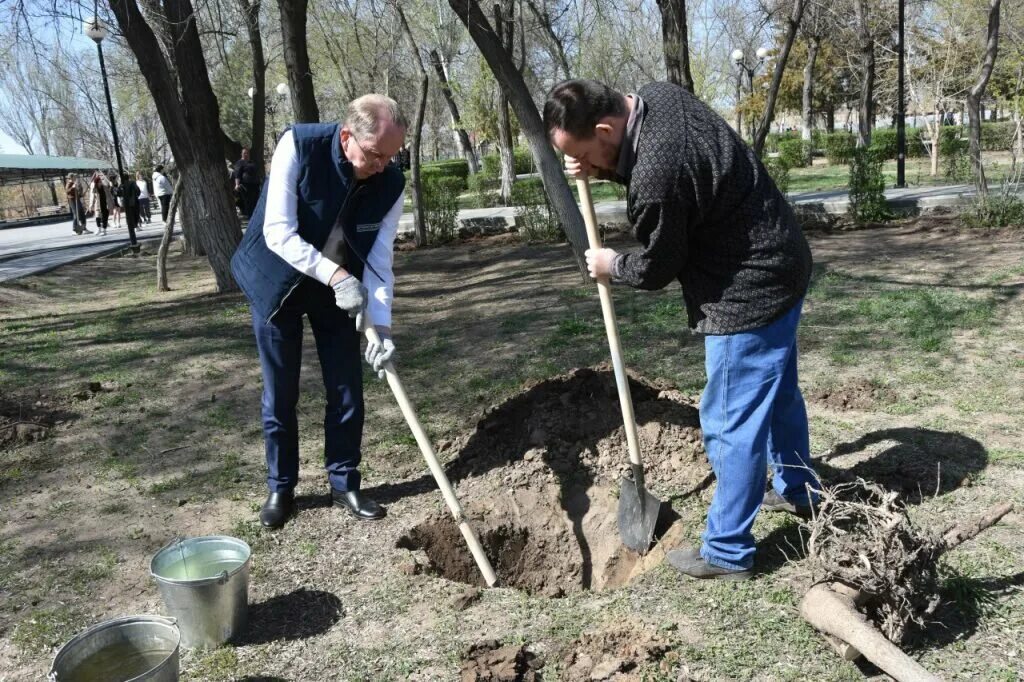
{"x": 709, "y": 215}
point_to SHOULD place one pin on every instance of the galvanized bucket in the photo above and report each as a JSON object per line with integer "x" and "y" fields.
{"x": 128, "y": 649}
{"x": 204, "y": 583}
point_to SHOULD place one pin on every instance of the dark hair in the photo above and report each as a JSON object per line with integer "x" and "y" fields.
{"x": 576, "y": 106}
{"x": 159, "y": 169}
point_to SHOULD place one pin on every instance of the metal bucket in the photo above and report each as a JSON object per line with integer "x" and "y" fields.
{"x": 204, "y": 583}
{"x": 128, "y": 649}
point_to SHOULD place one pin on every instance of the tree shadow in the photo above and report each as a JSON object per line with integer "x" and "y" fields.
{"x": 915, "y": 462}
{"x": 296, "y": 615}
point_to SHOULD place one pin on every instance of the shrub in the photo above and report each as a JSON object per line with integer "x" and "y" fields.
{"x": 491, "y": 165}
{"x": 1004, "y": 210}
{"x": 884, "y": 143}
{"x": 839, "y": 147}
{"x": 482, "y": 187}
{"x": 535, "y": 218}
{"x": 997, "y": 136}
{"x": 794, "y": 153}
{"x": 523, "y": 160}
{"x": 452, "y": 168}
{"x": 779, "y": 172}
{"x": 441, "y": 208}
{"x": 867, "y": 187}
{"x": 953, "y": 148}
{"x": 771, "y": 143}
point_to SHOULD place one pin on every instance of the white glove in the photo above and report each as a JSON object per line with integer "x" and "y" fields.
{"x": 379, "y": 353}
{"x": 349, "y": 295}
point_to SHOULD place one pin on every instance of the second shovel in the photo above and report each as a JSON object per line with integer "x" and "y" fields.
{"x": 638, "y": 508}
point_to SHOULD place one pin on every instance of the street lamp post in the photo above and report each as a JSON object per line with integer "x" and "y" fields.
{"x": 95, "y": 29}
{"x": 271, "y": 108}
{"x": 901, "y": 115}
{"x": 741, "y": 69}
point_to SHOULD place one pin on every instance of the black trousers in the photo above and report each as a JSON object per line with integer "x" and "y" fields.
{"x": 165, "y": 205}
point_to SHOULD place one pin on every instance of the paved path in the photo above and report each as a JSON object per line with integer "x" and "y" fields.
{"x": 41, "y": 248}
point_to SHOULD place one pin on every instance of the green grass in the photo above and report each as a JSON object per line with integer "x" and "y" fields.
{"x": 42, "y": 629}
{"x": 219, "y": 664}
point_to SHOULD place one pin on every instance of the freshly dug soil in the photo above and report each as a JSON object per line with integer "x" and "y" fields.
{"x": 612, "y": 654}
{"x": 539, "y": 479}
{"x": 490, "y": 662}
{"x": 859, "y": 394}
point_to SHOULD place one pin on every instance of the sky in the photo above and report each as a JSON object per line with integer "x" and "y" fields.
{"x": 9, "y": 146}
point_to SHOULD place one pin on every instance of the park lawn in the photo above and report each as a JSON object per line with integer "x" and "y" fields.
{"x": 153, "y": 406}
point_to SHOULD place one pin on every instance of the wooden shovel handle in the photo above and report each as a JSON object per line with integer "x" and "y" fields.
{"x": 430, "y": 456}
{"x": 611, "y": 326}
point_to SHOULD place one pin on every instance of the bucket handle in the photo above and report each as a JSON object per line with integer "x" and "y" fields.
{"x": 176, "y": 540}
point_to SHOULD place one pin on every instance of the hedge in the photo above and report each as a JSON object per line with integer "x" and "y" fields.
{"x": 794, "y": 152}
{"x": 839, "y": 147}
{"x": 452, "y": 168}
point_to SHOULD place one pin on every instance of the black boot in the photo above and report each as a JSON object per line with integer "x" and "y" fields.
{"x": 277, "y": 509}
{"x": 358, "y": 505}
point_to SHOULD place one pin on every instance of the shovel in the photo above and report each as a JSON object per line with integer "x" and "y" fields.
{"x": 435, "y": 467}
{"x": 638, "y": 508}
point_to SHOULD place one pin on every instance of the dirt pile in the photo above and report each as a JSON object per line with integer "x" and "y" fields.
{"x": 859, "y": 394}
{"x": 490, "y": 662}
{"x": 25, "y": 419}
{"x": 538, "y": 478}
{"x": 613, "y": 654}
{"x": 573, "y": 425}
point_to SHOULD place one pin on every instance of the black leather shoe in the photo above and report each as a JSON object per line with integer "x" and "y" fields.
{"x": 358, "y": 505}
{"x": 277, "y": 509}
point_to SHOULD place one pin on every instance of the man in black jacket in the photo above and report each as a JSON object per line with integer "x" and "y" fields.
{"x": 708, "y": 215}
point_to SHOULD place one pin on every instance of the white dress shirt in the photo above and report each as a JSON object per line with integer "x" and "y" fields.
{"x": 281, "y": 231}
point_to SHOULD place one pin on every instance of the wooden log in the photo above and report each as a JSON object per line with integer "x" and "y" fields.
{"x": 834, "y": 614}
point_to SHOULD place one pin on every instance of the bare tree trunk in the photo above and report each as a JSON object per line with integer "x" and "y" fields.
{"x": 165, "y": 241}
{"x": 512, "y": 84}
{"x": 866, "y": 113}
{"x": 936, "y": 132}
{"x": 808, "y": 95}
{"x": 505, "y": 23}
{"x": 675, "y": 42}
{"x": 830, "y": 118}
{"x": 296, "y": 60}
{"x": 193, "y": 128}
{"x": 544, "y": 19}
{"x": 461, "y": 137}
{"x": 765, "y": 126}
{"x": 417, "y": 133}
{"x": 978, "y": 91}
{"x": 250, "y": 10}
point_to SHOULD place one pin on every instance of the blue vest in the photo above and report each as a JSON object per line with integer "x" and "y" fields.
{"x": 337, "y": 214}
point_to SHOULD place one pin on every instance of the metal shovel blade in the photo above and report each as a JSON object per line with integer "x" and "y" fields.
{"x": 638, "y": 514}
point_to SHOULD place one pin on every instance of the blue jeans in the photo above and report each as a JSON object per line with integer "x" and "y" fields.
{"x": 280, "y": 348}
{"x": 752, "y": 415}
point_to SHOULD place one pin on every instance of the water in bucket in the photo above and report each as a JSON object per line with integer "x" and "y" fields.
{"x": 136, "y": 648}
{"x": 204, "y": 583}
{"x": 117, "y": 662}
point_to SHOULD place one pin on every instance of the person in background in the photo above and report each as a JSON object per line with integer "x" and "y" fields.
{"x": 144, "y": 214}
{"x": 118, "y": 192}
{"x": 74, "y": 190}
{"x": 162, "y": 189}
{"x": 101, "y": 200}
{"x": 247, "y": 183}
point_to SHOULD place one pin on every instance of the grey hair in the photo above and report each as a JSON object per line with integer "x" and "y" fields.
{"x": 365, "y": 113}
